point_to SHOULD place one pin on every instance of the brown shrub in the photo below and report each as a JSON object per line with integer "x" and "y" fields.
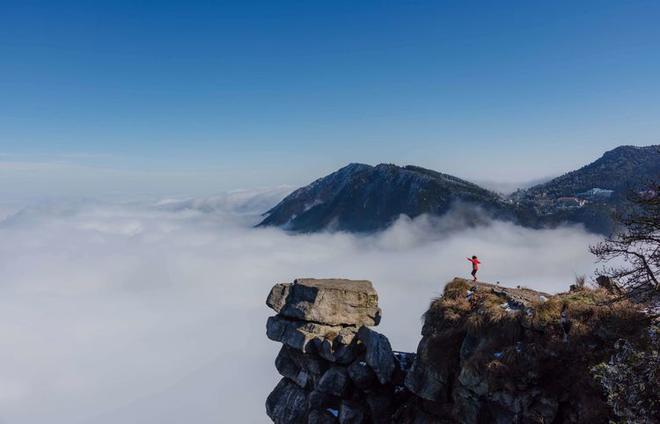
{"x": 456, "y": 288}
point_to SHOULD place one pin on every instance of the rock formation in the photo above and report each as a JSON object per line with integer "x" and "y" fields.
{"x": 488, "y": 354}
{"x": 335, "y": 368}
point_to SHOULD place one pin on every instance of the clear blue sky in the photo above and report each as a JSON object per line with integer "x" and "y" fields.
{"x": 216, "y": 95}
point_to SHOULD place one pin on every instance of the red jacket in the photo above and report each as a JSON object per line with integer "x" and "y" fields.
{"x": 475, "y": 263}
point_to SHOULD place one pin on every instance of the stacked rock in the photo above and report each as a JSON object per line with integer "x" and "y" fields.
{"x": 335, "y": 368}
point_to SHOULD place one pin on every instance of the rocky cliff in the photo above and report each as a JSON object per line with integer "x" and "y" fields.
{"x": 488, "y": 354}
{"x": 335, "y": 368}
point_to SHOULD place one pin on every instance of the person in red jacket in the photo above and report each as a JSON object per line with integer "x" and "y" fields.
{"x": 475, "y": 266}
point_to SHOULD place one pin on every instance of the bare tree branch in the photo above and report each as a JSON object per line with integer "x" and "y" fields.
{"x": 637, "y": 243}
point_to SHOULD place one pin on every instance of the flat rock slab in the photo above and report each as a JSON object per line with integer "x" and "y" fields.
{"x": 521, "y": 296}
{"x": 306, "y": 336}
{"x": 327, "y": 301}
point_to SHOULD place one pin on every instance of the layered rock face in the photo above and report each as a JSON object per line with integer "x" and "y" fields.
{"x": 491, "y": 354}
{"x": 334, "y": 367}
{"x": 488, "y": 354}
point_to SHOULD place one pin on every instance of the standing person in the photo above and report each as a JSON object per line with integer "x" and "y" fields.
{"x": 475, "y": 266}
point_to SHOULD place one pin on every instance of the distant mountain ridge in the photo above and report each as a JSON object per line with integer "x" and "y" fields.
{"x": 615, "y": 170}
{"x": 359, "y": 198}
{"x": 591, "y": 194}
{"x": 365, "y": 198}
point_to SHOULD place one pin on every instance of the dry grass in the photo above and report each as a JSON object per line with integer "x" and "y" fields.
{"x": 475, "y": 323}
{"x": 490, "y": 306}
{"x": 456, "y": 289}
{"x": 551, "y": 343}
{"x": 579, "y": 305}
{"x": 545, "y": 313}
{"x": 480, "y": 309}
{"x": 451, "y": 308}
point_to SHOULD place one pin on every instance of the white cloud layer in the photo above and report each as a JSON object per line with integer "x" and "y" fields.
{"x": 154, "y": 312}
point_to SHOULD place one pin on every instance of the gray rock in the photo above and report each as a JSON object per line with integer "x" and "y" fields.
{"x": 609, "y": 284}
{"x": 277, "y": 297}
{"x": 380, "y": 407}
{"x": 425, "y": 380}
{"x": 310, "y": 363}
{"x": 425, "y": 384}
{"x": 361, "y": 374}
{"x": 436, "y": 365}
{"x": 345, "y": 354}
{"x": 403, "y": 361}
{"x": 334, "y": 351}
{"x": 351, "y": 413}
{"x": 543, "y": 410}
{"x": 329, "y": 301}
{"x": 343, "y": 349}
{"x": 474, "y": 381}
{"x": 320, "y": 400}
{"x": 379, "y": 355}
{"x": 287, "y": 403}
{"x": 293, "y": 365}
{"x": 505, "y": 407}
{"x": 469, "y": 346}
{"x": 286, "y": 366}
{"x": 326, "y": 416}
{"x": 299, "y": 334}
{"x": 335, "y": 382}
{"x": 467, "y": 404}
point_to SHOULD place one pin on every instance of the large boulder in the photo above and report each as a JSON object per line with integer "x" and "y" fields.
{"x": 336, "y": 369}
{"x": 308, "y": 336}
{"x": 327, "y": 301}
{"x": 609, "y": 284}
{"x": 361, "y": 374}
{"x": 288, "y": 368}
{"x": 302, "y": 368}
{"x": 435, "y": 366}
{"x": 328, "y": 416}
{"x": 379, "y": 355}
{"x": 334, "y": 382}
{"x": 351, "y": 413}
{"x": 287, "y": 403}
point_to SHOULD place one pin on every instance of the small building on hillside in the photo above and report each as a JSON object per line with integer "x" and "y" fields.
{"x": 568, "y": 202}
{"x": 596, "y": 192}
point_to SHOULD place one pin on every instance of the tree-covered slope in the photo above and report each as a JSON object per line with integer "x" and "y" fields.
{"x": 363, "y": 198}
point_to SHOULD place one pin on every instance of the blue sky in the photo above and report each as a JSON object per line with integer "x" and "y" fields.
{"x": 207, "y": 96}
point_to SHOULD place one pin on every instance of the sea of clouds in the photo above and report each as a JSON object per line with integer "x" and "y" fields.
{"x": 153, "y": 311}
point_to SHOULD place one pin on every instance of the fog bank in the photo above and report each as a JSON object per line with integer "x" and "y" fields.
{"x": 153, "y": 312}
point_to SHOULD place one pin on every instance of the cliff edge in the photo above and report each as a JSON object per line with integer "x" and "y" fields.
{"x": 488, "y": 354}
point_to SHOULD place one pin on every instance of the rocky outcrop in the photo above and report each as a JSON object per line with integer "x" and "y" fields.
{"x": 334, "y": 368}
{"x": 331, "y": 302}
{"x": 491, "y": 354}
{"x": 488, "y": 354}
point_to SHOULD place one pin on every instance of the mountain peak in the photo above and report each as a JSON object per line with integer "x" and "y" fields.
{"x": 619, "y": 169}
{"x": 364, "y": 198}
{"x": 631, "y": 151}
{"x": 354, "y": 166}
{"x": 632, "y": 148}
